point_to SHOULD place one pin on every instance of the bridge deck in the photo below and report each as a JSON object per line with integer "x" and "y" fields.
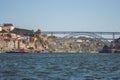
{"x": 68, "y": 32}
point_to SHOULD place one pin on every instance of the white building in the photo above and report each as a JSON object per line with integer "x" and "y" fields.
{"x": 0, "y": 28}
{"x": 8, "y": 27}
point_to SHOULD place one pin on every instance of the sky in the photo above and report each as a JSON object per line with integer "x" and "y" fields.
{"x": 62, "y": 15}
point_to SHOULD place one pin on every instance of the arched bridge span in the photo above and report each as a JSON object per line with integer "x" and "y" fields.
{"x": 92, "y": 35}
{"x": 103, "y": 36}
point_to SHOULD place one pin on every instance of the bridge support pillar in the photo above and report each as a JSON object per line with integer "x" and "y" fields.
{"x": 51, "y": 34}
{"x": 113, "y": 35}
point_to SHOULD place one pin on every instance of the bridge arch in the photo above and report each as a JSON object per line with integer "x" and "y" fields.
{"x": 93, "y": 35}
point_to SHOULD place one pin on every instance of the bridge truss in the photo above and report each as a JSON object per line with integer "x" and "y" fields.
{"x": 105, "y": 37}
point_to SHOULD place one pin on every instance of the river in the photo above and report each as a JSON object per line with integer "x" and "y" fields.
{"x": 60, "y": 66}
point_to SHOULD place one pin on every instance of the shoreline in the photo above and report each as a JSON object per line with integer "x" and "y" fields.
{"x": 26, "y": 41}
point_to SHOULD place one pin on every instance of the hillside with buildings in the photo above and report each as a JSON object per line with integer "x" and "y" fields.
{"x": 13, "y": 39}
{"x": 75, "y": 45}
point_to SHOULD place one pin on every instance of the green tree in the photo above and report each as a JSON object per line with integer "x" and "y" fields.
{"x": 38, "y": 31}
{"x": 32, "y": 31}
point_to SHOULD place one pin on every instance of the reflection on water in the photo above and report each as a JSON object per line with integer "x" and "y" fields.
{"x": 59, "y": 66}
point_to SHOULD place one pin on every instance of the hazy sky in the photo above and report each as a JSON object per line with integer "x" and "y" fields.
{"x": 62, "y": 15}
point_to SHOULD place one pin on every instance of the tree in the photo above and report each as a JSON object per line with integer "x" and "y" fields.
{"x": 38, "y": 31}
{"x": 32, "y": 31}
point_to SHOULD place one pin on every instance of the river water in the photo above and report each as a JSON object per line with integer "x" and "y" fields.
{"x": 60, "y": 66}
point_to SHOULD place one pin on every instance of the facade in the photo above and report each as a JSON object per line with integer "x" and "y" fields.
{"x": 0, "y": 28}
{"x": 7, "y": 27}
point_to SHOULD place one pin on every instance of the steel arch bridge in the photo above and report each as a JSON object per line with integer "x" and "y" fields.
{"x": 94, "y": 35}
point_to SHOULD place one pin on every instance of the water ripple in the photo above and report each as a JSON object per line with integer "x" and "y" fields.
{"x": 59, "y": 67}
